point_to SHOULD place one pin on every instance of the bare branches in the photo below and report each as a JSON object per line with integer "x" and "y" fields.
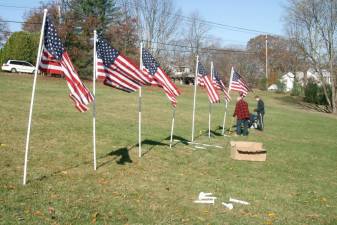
{"x": 313, "y": 25}
{"x": 4, "y": 32}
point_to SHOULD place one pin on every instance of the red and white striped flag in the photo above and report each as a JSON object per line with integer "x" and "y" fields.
{"x": 237, "y": 83}
{"x": 159, "y": 77}
{"x": 55, "y": 59}
{"x": 119, "y": 72}
{"x": 205, "y": 80}
{"x": 219, "y": 85}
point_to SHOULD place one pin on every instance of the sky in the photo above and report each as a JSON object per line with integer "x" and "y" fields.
{"x": 261, "y": 15}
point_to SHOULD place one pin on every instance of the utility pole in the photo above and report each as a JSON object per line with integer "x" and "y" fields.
{"x": 267, "y": 61}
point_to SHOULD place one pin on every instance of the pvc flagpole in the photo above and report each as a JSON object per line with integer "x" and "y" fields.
{"x": 140, "y": 105}
{"x": 33, "y": 96}
{"x": 172, "y": 126}
{"x": 210, "y": 108}
{"x": 224, "y": 118}
{"x": 194, "y": 96}
{"x": 209, "y": 120}
{"x": 94, "y": 103}
{"x": 229, "y": 89}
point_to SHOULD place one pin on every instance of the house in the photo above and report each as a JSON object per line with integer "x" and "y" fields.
{"x": 288, "y": 80}
{"x": 312, "y": 74}
{"x": 272, "y": 87}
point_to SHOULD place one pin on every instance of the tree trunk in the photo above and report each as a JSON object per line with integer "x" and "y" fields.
{"x": 325, "y": 91}
{"x": 333, "y": 90}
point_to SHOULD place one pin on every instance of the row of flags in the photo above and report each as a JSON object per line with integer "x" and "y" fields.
{"x": 119, "y": 72}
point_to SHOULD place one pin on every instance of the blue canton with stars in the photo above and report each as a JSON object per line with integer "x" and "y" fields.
{"x": 201, "y": 70}
{"x": 217, "y": 78}
{"x": 52, "y": 42}
{"x": 149, "y": 62}
{"x": 236, "y": 76}
{"x": 105, "y": 52}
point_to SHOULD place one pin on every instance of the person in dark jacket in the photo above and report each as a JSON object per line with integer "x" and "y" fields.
{"x": 242, "y": 116}
{"x": 260, "y": 113}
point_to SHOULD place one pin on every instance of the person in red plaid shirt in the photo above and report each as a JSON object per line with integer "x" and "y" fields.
{"x": 242, "y": 116}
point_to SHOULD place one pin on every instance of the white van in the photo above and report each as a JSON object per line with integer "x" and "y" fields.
{"x": 18, "y": 66}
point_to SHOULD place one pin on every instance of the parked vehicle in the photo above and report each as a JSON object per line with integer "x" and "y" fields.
{"x": 18, "y": 66}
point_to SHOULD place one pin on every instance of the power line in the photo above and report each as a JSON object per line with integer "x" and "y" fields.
{"x": 220, "y": 25}
{"x": 16, "y": 7}
{"x": 189, "y": 19}
{"x": 22, "y": 22}
{"x": 201, "y": 49}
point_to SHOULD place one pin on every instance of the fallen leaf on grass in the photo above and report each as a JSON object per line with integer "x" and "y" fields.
{"x": 37, "y": 213}
{"x": 51, "y": 210}
{"x": 94, "y": 217}
{"x": 271, "y": 214}
{"x": 312, "y": 216}
{"x": 54, "y": 196}
{"x": 103, "y": 181}
{"x": 10, "y": 187}
{"x": 268, "y": 222}
{"x": 2, "y": 145}
{"x": 64, "y": 172}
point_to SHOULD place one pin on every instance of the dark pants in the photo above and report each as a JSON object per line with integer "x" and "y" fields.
{"x": 242, "y": 123}
{"x": 260, "y": 124}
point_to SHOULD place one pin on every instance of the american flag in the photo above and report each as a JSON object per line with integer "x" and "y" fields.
{"x": 55, "y": 59}
{"x": 159, "y": 77}
{"x": 119, "y": 72}
{"x": 201, "y": 71}
{"x": 206, "y": 80}
{"x": 219, "y": 85}
{"x": 238, "y": 83}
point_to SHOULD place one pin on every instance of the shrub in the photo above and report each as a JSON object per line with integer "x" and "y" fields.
{"x": 310, "y": 92}
{"x": 297, "y": 89}
{"x": 21, "y": 46}
{"x": 281, "y": 86}
{"x": 313, "y": 93}
{"x": 262, "y": 85}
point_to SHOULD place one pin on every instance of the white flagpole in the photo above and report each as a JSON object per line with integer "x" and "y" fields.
{"x": 224, "y": 117}
{"x": 210, "y": 107}
{"x": 194, "y": 96}
{"x": 94, "y": 103}
{"x": 140, "y": 105}
{"x": 229, "y": 89}
{"x": 172, "y": 126}
{"x": 230, "y": 80}
{"x": 38, "y": 57}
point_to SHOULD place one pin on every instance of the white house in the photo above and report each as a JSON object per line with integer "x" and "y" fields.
{"x": 272, "y": 87}
{"x": 288, "y": 80}
{"x": 312, "y": 74}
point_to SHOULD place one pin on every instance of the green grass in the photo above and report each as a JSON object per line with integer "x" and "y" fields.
{"x": 296, "y": 185}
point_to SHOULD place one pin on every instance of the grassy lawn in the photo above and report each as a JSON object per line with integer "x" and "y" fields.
{"x": 296, "y": 185}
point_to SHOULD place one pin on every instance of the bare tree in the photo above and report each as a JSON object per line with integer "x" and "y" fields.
{"x": 4, "y": 32}
{"x": 196, "y": 35}
{"x": 158, "y": 22}
{"x": 312, "y": 24}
